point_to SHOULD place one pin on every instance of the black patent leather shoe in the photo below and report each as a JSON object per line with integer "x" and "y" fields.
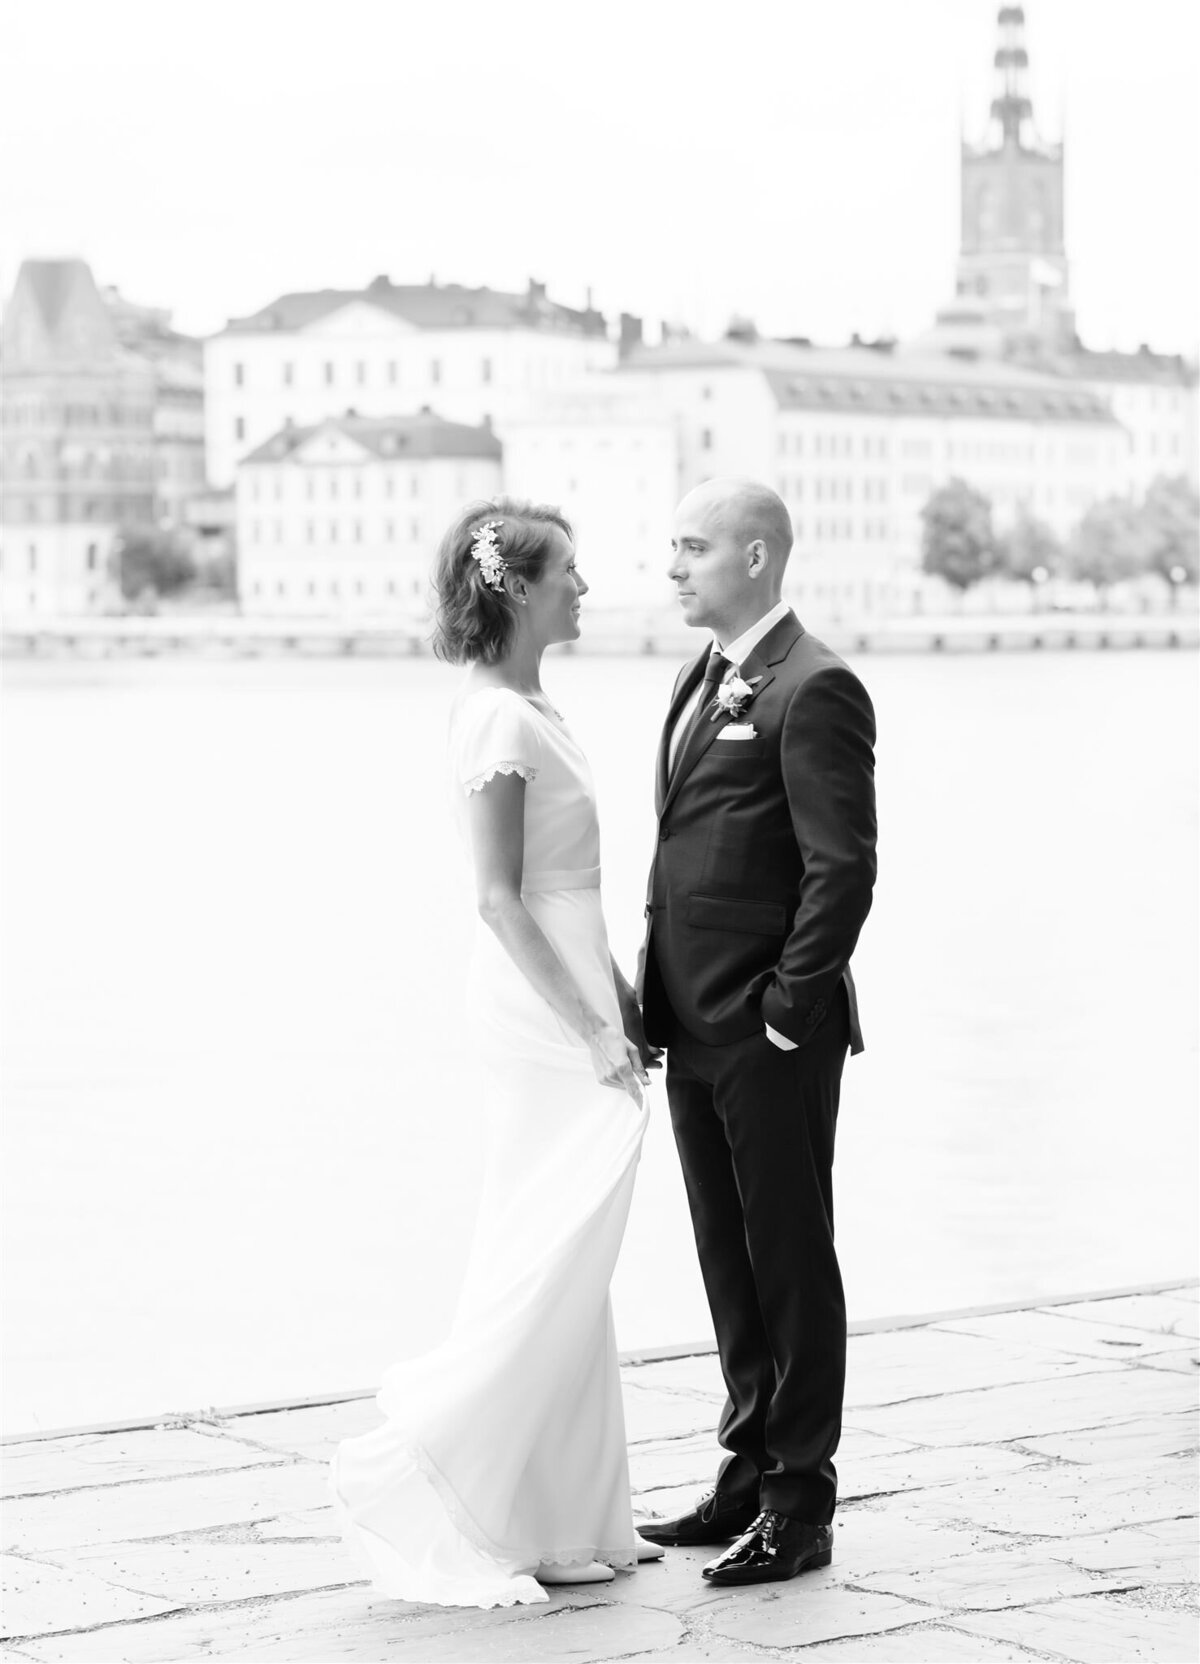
{"x": 714, "y": 1519}
{"x": 774, "y": 1549}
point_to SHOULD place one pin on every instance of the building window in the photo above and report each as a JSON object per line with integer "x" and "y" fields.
{"x": 239, "y": 427}
{"x": 312, "y": 588}
{"x": 90, "y": 560}
{"x": 311, "y": 532}
{"x": 328, "y": 374}
{"x": 239, "y": 375}
{"x": 32, "y": 559}
{"x": 333, "y": 587}
{"x": 414, "y": 485}
{"x": 360, "y": 373}
{"x": 389, "y": 531}
{"x": 706, "y": 439}
{"x": 358, "y": 531}
{"x": 414, "y": 530}
{"x": 281, "y": 588}
{"x": 485, "y": 370}
{"x": 333, "y": 525}
{"x": 393, "y": 372}
{"x": 435, "y": 370}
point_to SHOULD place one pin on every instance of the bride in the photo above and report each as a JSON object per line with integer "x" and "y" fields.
{"x": 501, "y": 1465}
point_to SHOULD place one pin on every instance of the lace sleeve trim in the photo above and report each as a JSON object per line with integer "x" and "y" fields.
{"x": 525, "y": 770}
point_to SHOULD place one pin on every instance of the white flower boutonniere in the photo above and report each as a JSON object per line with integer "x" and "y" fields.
{"x": 733, "y": 696}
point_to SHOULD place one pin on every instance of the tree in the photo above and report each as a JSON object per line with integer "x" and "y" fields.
{"x": 1108, "y": 545}
{"x": 148, "y": 559}
{"x": 1029, "y": 550}
{"x": 958, "y": 543}
{"x": 1171, "y": 524}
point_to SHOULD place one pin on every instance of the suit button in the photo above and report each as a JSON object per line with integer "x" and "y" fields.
{"x": 664, "y": 832}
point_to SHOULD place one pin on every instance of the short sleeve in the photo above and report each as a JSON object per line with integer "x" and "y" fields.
{"x": 495, "y": 732}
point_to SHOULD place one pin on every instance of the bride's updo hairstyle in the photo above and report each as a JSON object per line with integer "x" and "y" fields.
{"x": 474, "y": 622}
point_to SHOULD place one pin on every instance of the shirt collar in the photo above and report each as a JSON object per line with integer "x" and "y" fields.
{"x": 739, "y": 650}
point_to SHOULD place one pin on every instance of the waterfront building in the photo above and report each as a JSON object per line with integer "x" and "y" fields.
{"x": 77, "y": 443}
{"x": 473, "y": 354}
{"x": 342, "y": 518}
{"x": 608, "y": 453}
{"x": 178, "y": 362}
{"x": 856, "y": 439}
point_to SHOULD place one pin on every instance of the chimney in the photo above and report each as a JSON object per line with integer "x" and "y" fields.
{"x": 631, "y": 333}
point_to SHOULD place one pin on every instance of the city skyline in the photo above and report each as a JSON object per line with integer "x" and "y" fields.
{"x": 192, "y": 180}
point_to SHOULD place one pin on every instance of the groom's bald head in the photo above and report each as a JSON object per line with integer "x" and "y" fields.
{"x": 747, "y": 512}
{"x": 731, "y": 542}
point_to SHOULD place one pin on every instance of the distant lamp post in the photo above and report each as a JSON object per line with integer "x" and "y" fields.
{"x": 1178, "y": 577}
{"x": 1040, "y": 576}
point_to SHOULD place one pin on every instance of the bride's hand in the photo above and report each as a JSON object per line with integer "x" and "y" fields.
{"x": 617, "y": 1062}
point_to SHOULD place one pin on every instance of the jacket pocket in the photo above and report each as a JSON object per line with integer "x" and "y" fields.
{"x": 735, "y": 914}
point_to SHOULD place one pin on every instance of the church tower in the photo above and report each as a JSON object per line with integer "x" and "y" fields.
{"x": 1012, "y": 266}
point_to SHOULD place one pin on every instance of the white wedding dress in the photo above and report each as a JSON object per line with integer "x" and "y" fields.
{"x": 505, "y": 1447}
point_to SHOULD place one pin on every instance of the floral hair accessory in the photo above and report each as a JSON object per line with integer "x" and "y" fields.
{"x": 484, "y": 550}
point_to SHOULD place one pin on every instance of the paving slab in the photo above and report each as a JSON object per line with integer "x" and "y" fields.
{"x": 1144, "y": 1439}
{"x": 1069, "y": 1501}
{"x": 1101, "y": 1629}
{"x": 40, "y": 1597}
{"x": 698, "y": 1376}
{"x": 196, "y": 1569}
{"x": 992, "y": 1578}
{"x": 652, "y": 1413}
{"x": 893, "y": 1367}
{"x": 1167, "y": 1551}
{"x": 312, "y": 1431}
{"x": 1174, "y": 1313}
{"x": 159, "y": 1507}
{"x": 928, "y": 1644}
{"x": 809, "y": 1609}
{"x": 1071, "y": 1333}
{"x": 1183, "y": 1363}
{"x": 1106, "y": 1393}
{"x": 44, "y": 1465}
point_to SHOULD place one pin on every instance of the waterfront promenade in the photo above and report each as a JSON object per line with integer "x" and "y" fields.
{"x": 1016, "y": 1483}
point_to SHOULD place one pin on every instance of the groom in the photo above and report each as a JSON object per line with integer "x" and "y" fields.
{"x": 760, "y": 884}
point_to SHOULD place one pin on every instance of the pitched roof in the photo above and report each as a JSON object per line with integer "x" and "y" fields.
{"x": 392, "y": 437}
{"x": 1167, "y": 369}
{"x": 52, "y": 283}
{"x": 427, "y": 306}
{"x": 867, "y": 381}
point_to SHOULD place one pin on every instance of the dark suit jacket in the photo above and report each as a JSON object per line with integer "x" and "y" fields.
{"x": 765, "y": 861}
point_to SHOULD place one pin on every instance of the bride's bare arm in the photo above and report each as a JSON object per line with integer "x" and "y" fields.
{"x": 497, "y": 821}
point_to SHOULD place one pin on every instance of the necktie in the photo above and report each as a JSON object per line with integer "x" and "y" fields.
{"x": 714, "y": 672}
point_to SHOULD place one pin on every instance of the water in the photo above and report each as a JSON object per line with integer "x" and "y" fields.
{"x": 237, "y": 1166}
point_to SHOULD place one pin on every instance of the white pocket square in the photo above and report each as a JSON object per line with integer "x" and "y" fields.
{"x": 738, "y": 731}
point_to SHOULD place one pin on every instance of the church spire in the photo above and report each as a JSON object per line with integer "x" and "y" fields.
{"x": 1012, "y": 106}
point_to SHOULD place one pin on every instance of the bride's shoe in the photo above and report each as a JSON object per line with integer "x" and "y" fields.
{"x": 595, "y": 1572}
{"x": 647, "y": 1550}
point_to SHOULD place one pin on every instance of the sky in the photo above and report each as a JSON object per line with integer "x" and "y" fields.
{"x": 792, "y": 161}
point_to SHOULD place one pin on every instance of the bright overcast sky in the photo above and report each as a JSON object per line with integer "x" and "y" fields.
{"x": 790, "y": 160}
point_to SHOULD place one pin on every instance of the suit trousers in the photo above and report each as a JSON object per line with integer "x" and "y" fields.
{"x": 755, "y": 1126}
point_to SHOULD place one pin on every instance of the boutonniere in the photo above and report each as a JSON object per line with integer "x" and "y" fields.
{"x": 733, "y": 696}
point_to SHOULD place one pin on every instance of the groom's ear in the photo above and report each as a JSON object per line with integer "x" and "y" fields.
{"x": 758, "y": 557}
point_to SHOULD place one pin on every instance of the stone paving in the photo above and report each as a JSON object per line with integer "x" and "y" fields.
{"x": 1016, "y": 1485}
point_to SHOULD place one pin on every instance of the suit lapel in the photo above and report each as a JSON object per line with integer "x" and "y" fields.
{"x": 692, "y": 675}
{"x": 775, "y": 645}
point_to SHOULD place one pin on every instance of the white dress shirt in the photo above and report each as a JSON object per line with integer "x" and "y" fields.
{"x": 737, "y": 651}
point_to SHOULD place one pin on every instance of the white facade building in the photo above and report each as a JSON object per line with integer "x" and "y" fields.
{"x": 608, "y": 456}
{"x": 472, "y": 354}
{"x": 855, "y": 440}
{"x": 343, "y": 519}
